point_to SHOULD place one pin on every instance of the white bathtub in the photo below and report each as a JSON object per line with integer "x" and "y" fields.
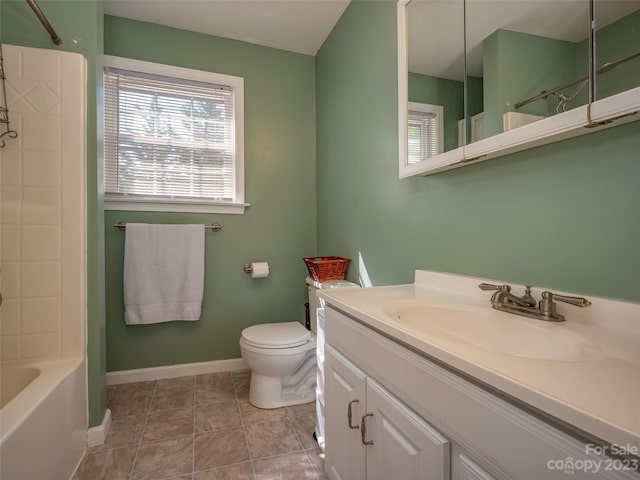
{"x": 44, "y": 425}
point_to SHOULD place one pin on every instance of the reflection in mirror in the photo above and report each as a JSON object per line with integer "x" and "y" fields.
{"x": 425, "y": 131}
{"x": 435, "y": 36}
{"x": 617, "y": 65}
{"x": 523, "y": 67}
{"x": 532, "y": 58}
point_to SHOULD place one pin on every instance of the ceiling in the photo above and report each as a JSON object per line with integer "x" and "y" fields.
{"x": 299, "y": 26}
{"x": 302, "y": 26}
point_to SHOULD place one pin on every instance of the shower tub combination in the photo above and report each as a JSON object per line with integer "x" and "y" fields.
{"x": 43, "y": 374}
{"x": 43, "y": 418}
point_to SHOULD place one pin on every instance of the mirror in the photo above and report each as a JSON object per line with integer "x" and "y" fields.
{"x": 521, "y": 49}
{"x": 435, "y": 77}
{"x": 617, "y": 64}
{"x": 524, "y": 74}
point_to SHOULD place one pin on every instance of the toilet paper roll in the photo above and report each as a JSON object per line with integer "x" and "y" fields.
{"x": 259, "y": 269}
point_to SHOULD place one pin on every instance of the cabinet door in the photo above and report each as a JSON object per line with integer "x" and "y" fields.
{"x": 467, "y": 469}
{"x": 344, "y": 389}
{"x": 404, "y": 445}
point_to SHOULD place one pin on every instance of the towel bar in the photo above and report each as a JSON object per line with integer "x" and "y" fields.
{"x": 122, "y": 226}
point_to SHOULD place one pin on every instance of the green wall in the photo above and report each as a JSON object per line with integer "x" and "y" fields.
{"x": 450, "y": 95}
{"x": 80, "y": 25}
{"x": 440, "y": 91}
{"x": 278, "y": 227}
{"x": 614, "y": 42}
{"x": 563, "y": 216}
{"x": 518, "y": 66}
{"x": 475, "y": 100}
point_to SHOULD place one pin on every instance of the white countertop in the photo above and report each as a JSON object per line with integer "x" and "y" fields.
{"x": 600, "y": 396}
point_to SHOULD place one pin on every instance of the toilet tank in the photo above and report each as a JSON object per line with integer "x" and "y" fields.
{"x": 316, "y": 302}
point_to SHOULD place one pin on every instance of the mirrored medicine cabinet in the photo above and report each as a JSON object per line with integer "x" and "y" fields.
{"x": 478, "y": 79}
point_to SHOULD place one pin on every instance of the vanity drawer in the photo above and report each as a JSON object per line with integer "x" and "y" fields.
{"x": 506, "y": 439}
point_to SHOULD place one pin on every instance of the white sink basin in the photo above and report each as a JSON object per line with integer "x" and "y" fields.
{"x": 491, "y": 330}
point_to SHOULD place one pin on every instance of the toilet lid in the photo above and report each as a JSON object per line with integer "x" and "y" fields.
{"x": 276, "y": 335}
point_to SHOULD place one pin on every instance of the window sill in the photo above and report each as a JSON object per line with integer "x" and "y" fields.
{"x": 189, "y": 206}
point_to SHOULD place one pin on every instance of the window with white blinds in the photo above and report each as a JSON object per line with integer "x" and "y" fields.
{"x": 172, "y": 137}
{"x": 425, "y": 131}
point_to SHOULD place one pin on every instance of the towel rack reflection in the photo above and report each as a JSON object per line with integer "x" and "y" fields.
{"x": 122, "y": 226}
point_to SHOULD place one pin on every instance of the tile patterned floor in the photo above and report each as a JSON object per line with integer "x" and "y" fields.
{"x": 202, "y": 428}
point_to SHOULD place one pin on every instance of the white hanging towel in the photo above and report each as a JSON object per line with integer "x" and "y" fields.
{"x": 163, "y": 273}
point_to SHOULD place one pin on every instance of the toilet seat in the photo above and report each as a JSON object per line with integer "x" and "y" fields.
{"x": 276, "y": 335}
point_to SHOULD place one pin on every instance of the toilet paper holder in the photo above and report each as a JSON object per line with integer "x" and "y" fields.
{"x": 248, "y": 268}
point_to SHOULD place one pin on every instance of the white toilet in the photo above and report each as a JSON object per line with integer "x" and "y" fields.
{"x": 282, "y": 359}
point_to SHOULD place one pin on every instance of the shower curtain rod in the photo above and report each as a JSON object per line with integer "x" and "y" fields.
{"x": 603, "y": 69}
{"x": 45, "y": 23}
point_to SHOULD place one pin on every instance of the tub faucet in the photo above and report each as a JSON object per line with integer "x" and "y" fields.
{"x": 527, "y": 306}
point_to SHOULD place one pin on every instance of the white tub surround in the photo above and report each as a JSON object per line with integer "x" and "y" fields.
{"x": 592, "y": 392}
{"x": 43, "y": 264}
{"x": 42, "y": 206}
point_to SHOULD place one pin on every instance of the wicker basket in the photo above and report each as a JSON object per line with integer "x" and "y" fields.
{"x": 322, "y": 269}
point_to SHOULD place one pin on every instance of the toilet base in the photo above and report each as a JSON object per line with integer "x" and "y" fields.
{"x": 268, "y": 392}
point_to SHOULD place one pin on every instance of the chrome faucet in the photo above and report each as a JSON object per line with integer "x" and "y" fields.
{"x": 527, "y": 306}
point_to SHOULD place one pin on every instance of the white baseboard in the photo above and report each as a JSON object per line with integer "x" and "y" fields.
{"x": 173, "y": 371}
{"x": 97, "y": 435}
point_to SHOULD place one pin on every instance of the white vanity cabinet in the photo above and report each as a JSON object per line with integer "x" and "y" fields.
{"x": 371, "y": 434}
{"x": 345, "y": 398}
{"x": 431, "y": 422}
{"x": 463, "y": 468}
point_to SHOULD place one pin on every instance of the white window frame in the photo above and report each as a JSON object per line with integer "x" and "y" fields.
{"x": 151, "y": 204}
{"x": 438, "y": 111}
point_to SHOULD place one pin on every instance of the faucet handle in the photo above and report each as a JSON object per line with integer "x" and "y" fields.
{"x": 489, "y": 286}
{"x": 577, "y": 301}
